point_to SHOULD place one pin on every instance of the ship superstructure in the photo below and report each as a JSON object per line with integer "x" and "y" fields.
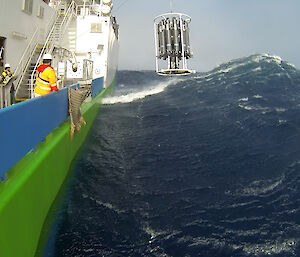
{"x": 41, "y": 136}
{"x": 81, "y": 35}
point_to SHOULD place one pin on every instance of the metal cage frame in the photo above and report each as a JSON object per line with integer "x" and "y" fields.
{"x": 183, "y": 45}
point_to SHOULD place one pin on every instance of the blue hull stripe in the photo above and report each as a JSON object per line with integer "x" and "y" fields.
{"x": 97, "y": 86}
{"x": 24, "y": 125}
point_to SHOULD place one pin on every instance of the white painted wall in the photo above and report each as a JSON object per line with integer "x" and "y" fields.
{"x": 13, "y": 19}
{"x": 87, "y": 42}
{"x": 113, "y": 57}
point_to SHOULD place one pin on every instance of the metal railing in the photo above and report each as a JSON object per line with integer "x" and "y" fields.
{"x": 25, "y": 59}
{"x": 87, "y": 69}
{"x": 1, "y": 52}
{"x": 51, "y": 40}
{"x": 88, "y": 9}
{"x": 68, "y": 16}
{"x": 28, "y": 53}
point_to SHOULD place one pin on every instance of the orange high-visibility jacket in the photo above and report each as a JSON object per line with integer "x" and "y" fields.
{"x": 45, "y": 80}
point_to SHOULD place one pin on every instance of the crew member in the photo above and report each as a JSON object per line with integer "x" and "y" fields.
{"x": 45, "y": 77}
{"x": 6, "y": 74}
{"x": 9, "y": 91}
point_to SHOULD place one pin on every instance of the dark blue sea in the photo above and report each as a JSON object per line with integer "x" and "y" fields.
{"x": 205, "y": 165}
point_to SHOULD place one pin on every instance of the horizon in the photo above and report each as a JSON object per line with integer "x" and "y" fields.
{"x": 235, "y": 59}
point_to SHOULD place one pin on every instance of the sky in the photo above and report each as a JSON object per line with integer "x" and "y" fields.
{"x": 220, "y": 30}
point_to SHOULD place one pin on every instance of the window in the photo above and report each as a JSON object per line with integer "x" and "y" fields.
{"x": 40, "y": 12}
{"x": 27, "y": 6}
{"x": 96, "y": 27}
{"x": 100, "y": 48}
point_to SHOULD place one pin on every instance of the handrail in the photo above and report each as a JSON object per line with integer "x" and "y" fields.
{"x": 49, "y": 44}
{"x": 1, "y": 51}
{"x": 23, "y": 64}
{"x": 38, "y": 61}
{"x": 25, "y": 53}
{"x": 67, "y": 16}
{"x": 92, "y": 8}
{"x": 29, "y": 51}
{"x": 53, "y": 18}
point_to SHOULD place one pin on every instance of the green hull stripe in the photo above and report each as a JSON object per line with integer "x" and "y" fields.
{"x": 33, "y": 183}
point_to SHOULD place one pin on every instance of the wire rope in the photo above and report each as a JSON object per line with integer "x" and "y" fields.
{"x": 120, "y": 5}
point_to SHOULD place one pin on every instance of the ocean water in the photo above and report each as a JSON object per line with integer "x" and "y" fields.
{"x": 206, "y": 165}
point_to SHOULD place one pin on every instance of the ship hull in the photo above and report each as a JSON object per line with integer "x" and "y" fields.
{"x": 29, "y": 191}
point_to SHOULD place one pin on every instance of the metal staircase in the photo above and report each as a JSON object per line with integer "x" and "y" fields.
{"x": 23, "y": 92}
{"x": 27, "y": 71}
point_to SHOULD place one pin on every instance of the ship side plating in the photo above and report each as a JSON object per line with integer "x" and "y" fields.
{"x": 37, "y": 150}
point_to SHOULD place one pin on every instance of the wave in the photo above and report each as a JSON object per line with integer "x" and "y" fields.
{"x": 206, "y": 166}
{"x": 129, "y": 97}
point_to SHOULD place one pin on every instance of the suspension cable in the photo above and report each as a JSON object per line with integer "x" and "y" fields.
{"x": 120, "y": 5}
{"x": 171, "y": 6}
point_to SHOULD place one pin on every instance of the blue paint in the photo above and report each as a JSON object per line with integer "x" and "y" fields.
{"x": 24, "y": 125}
{"x": 97, "y": 86}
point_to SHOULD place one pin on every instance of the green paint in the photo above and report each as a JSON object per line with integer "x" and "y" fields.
{"x": 34, "y": 182}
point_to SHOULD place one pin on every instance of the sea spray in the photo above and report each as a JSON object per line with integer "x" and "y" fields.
{"x": 140, "y": 93}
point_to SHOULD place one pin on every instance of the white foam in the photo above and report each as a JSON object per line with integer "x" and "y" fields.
{"x": 104, "y": 204}
{"x": 248, "y": 108}
{"x": 258, "y": 58}
{"x": 281, "y": 121}
{"x": 259, "y": 187}
{"x": 133, "y": 96}
{"x": 257, "y": 69}
{"x": 232, "y": 67}
{"x": 280, "y": 109}
{"x": 244, "y": 99}
{"x": 108, "y": 206}
{"x": 269, "y": 248}
{"x": 276, "y": 58}
{"x": 255, "y": 108}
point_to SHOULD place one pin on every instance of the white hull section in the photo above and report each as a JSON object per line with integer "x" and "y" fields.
{"x": 112, "y": 58}
{"x": 19, "y": 22}
{"x": 81, "y": 36}
{"x": 97, "y": 44}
